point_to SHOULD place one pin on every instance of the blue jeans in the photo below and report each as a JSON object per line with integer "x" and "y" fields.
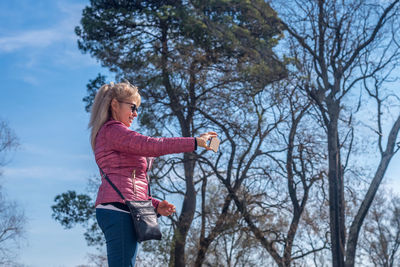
{"x": 121, "y": 240}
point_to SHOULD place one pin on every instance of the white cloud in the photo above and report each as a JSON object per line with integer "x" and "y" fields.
{"x": 53, "y": 45}
{"x": 62, "y": 30}
{"x": 34, "y": 39}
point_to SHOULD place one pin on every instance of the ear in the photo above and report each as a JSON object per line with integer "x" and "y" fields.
{"x": 114, "y": 104}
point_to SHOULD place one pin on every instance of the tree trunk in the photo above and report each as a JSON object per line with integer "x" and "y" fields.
{"x": 205, "y": 242}
{"x": 369, "y": 197}
{"x": 177, "y": 254}
{"x": 186, "y": 217}
{"x": 336, "y": 190}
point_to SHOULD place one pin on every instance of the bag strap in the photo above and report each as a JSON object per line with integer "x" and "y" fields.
{"x": 112, "y": 184}
{"x": 104, "y": 175}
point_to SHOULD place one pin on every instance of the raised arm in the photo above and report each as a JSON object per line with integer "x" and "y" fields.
{"x": 121, "y": 138}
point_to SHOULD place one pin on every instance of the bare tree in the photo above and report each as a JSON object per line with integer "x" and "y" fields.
{"x": 270, "y": 160}
{"x": 8, "y": 142}
{"x": 345, "y": 44}
{"x": 380, "y": 238}
{"x": 12, "y": 218}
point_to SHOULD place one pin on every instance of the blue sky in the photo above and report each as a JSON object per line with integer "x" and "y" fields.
{"x": 43, "y": 79}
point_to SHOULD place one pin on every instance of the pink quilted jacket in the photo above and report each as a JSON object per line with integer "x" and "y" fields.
{"x": 125, "y": 155}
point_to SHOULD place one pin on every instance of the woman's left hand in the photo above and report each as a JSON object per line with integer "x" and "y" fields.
{"x": 165, "y": 209}
{"x": 203, "y": 139}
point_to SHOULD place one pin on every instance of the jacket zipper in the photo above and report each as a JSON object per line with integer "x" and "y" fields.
{"x": 134, "y": 181}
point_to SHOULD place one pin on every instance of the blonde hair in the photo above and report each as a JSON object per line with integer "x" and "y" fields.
{"x": 101, "y": 108}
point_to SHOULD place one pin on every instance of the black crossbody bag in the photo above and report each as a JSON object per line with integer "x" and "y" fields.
{"x": 143, "y": 215}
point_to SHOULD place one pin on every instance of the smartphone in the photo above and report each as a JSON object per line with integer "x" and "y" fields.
{"x": 214, "y": 143}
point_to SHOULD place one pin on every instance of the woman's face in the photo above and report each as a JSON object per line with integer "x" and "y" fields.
{"x": 124, "y": 111}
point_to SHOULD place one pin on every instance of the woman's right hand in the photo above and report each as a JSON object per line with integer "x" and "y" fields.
{"x": 204, "y": 138}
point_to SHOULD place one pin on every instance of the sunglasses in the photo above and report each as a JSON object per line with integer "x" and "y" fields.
{"x": 133, "y": 106}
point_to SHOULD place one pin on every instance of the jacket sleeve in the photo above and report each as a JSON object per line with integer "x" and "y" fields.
{"x": 121, "y": 138}
{"x": 155, "y": 203}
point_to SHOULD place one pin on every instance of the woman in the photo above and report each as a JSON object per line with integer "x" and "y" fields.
{"x": 125, "y": 156}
